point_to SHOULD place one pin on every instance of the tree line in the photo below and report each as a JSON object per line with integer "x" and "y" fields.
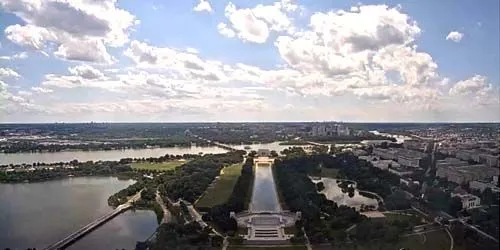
{"x": 219, "y": 215}
{"x": 323, "y": 220}
{"x": 79, "y": 170}
{"x": 33, "y": 146}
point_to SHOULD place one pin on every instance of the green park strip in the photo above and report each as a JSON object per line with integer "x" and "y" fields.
{"x": 162, "y": 166}
{"x": 329, "y": 172}
{"x": 409, "y": 217}
{"x": 435, "y": 240}
{"x": 220, "y": 191}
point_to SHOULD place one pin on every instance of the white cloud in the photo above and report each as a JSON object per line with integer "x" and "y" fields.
{"x": 7, "y": 72}
{"x": 455, "y": 36}
{"x": 246, "y": 24}
{"x": 41, "y": 90}
{"x": 22, "y": 55}
{"x": 225, "y": 31}
{"x": 475, "y": 85}
{"x": 24, "y": 93}
{"x": 204, "y": 5}
{"x": 177, "y": 64}
{"x": 29, "y": 35}
{"x": 346, "y": 50}
{"x": 15, "y": 104}
{"x": 84, "y": 50}
{"x": 364, "y": 58}
{"x": 476, "y": 92}
{"x": 255, "y": 24}
{"x": 86, "y": 72}
{"x": 192, "y": 50}
{"x": 91, "y": 24}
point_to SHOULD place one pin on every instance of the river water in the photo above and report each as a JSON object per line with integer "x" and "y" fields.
{"x": 39, "y": 214}
{"x": 399, "y": 138}
{"x": 109, "y": 155}
{"x": 334, "y": 193}
{"x": 271, "y": 146}
{"x": 264, "y": 195}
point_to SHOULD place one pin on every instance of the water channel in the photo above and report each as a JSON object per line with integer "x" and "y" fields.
{"x": 38, "y": 214}
{"x": 264, "y": 195}
{"x": 271, "y": 146}
{"x": 108, "y": 155}
{"x": 334, "y": 193}
{"x": 399, "y": 138}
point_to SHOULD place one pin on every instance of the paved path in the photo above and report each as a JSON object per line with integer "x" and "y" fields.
{"x": 308, "y": 243}
{"x": 451, "y": 238}
{"x": 167, "y": 216}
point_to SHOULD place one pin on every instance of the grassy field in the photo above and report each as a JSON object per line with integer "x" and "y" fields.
{"x": 163, "y": 166}
{"x": 267, "y": 248}
{"x": 219, "y": 192}
{"x": 414, "y": 220}
{"x": 437, "y": 240}
{"x": 329, "y": 172}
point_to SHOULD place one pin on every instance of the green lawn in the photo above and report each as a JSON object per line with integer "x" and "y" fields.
{"x": 220, "y": 192}
{"x": 437, "y": 240}
{"x": 163, "y": 166}
{"x": 329, "y": 172}
{"x": 414, "y": 220}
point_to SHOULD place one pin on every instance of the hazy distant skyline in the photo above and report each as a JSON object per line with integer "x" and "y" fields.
{"x": 303, "y": 60}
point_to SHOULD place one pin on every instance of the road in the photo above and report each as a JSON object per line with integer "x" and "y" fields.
{"x": 167, "y": 216}
{"x": 451, "y": 238}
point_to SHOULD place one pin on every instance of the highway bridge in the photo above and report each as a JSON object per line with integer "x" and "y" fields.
{"x": 70, "y": 239}
{"x": 220, "y": 145}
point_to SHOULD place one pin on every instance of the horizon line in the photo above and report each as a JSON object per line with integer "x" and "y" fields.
{"x": 235, "y": 122}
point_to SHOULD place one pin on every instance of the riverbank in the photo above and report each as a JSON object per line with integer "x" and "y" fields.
{"x": 64, "y": 145}
{"x": 126, "y": 168}
{"x": 72, "y": 203}
{"x": 108, "y": 155}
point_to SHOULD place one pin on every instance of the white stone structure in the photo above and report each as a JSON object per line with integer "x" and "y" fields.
{"x": 468, "y": 200}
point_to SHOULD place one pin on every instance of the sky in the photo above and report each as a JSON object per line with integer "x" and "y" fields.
{"x": 248, "y": 60}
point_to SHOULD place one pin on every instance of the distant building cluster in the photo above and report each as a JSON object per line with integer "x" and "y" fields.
{"x": 405, "y": 157}
{"x": 421, "y": 145}
{"x": 327, "y": 129}
{"x": 461, "y": 172}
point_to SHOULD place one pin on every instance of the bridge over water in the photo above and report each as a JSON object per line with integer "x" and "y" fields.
{"x": 73, "y": 237}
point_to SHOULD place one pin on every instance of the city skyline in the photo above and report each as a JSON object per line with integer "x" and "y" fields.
{"x": 234, "y": 61}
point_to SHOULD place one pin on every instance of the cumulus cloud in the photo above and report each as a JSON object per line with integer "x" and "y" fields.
{"x": 22, "y": 55}
{"x": 41, "y": 90}
{"x": 203, "y": 5}
{"x": 86, "y": 72}
{"x": 475, "y": 91}
{"x": 455, "y": 36}
{"x": 90, "y": 24}
{"x": 346, "y": 50}
{"x": 364, "y": 55}
{"x": 255, "y": 24}
{"x": 91, "y": 50}
{"x": 8, "y": 72}
{"x": 247, "y": 26}
{"x": 14, "y": 104}
{"x": 225, "y": 31}
{"x": 177, "y": 64}
{"x": 476, "y": 87}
